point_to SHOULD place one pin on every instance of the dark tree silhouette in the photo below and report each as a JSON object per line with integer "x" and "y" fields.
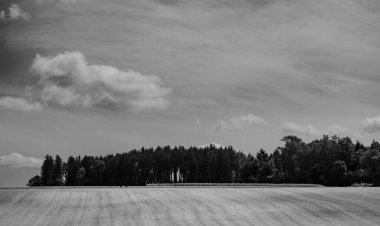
{"x": 330, "y": 161}
{"x": 72, "y": 168}
{"x": 47, "y": 171}
{"x": 57, "y": 171}
{"x": 34, "y": 181}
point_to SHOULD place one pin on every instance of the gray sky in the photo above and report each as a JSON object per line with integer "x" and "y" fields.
{"x": 96, "y": 77}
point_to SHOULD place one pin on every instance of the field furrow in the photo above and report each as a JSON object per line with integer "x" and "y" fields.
{"x": 190, "y": 206}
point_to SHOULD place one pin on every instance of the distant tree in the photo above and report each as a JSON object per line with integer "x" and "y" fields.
{"x": 330, "y": 161}
{"x": 34, "y": 181}
{"x": 375, "y": 145}
{"x": 303, "y": 163}
{"x": 86, "y": 162}
{"x": 277, "y": 162}
{"x": 96, "y": 169}
{"x": 249, "y": 171}
{"x": 80, "y": 175}
{"x": 47, "y": 171}
{"x": 337, "y": 173}
{"x": 265, "y": 171}
{"x": 345, "y": 150}
{"x": 57, "y": 171}
{"x": 292, "y": 145}
{"x": 72, "y": 168}
{"x": 359, "y": 146}
{"x": 371, "y": 165}
{"x": 262, "y": 156}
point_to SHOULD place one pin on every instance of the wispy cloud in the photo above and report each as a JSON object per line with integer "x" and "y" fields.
{"x": 336, "y": 130}
{"x": 17, "y": 160}
{"x": 372, "y": 125}
{"x": 14, "y": 13}
{"x": 52, "y": 1}
{"x": 309, "y": 130}
{"x": 293, "y": 128}
{"x": 19, "y": 104}
{"x": 198, "y": 121}
{"x": 239, "y": 122}
{"x": 69, "y": 81}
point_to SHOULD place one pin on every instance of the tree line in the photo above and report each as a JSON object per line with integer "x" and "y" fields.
{"x": 330, "y": 161}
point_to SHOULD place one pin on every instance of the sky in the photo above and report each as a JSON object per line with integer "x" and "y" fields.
{"x": 93, "y": 77}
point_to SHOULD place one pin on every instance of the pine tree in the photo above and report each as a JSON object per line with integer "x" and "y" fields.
{"x": 72, "y": 168}
{"x": 57, "y": 172}
{"x": 47, "y": 171}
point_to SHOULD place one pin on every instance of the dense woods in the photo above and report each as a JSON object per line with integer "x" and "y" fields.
{"x": 331, "y": 161}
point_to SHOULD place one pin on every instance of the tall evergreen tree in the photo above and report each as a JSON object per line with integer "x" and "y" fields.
{"x": 72, "y": 168}
{"x": 57, "y": 172}
{"x": 47, "y": 171}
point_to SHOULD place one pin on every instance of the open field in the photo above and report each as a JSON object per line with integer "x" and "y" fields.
{"x": 256, "y": 185}
{"x": 190, "y": 206}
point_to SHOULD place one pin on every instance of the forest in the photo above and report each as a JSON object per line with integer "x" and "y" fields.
{"x": 330, "y": 161}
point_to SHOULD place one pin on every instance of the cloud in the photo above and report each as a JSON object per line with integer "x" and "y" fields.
{"x": 14, "y": 13}
{"x": 309, "y": 130}
{"x": 198, "y": 121}
{"x": 372, "y": 125}
{"x": 17, "y": 160}
{"x": 52, "y": 1}
{"x": 65, "y": 97}
{"x": 69, "y": 81}
{"x": 336, "y": 130}
{"x": 240, "y": 122}
{"x": 216, "y": 145}
{"x": 290, "y": 127}
{"x": 19, "y": 104}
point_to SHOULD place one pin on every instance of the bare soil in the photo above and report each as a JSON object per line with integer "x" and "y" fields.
{"x": 191, "y": 206}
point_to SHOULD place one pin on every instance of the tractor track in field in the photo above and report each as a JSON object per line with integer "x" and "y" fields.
{"x": 190, "y": 206}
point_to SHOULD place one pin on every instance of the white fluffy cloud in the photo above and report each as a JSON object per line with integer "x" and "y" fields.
{"x": 68, "y": 80}
{"x": 240, "y": 122}
{"x": 372, "y": 125}
{"x": 19, "y": 104}
{"x": 14, "y": 13}
{"x": 64, "y": 96}
{"x": 309, "y": 130}
{"x": 17, "y": 160}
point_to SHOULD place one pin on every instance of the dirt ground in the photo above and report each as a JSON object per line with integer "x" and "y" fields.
{"x": 190, "y": 206}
